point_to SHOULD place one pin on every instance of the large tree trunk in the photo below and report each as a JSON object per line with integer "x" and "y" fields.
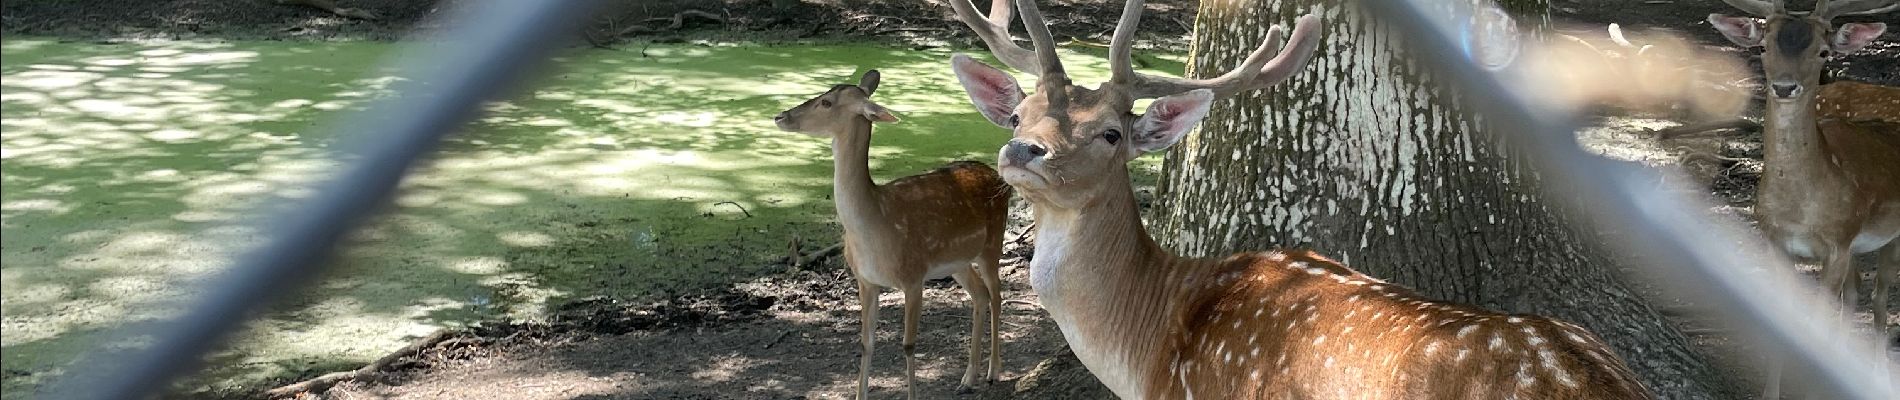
{"x": 1365, "y": 158}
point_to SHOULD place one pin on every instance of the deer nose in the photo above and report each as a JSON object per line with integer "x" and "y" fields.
{"x": 1021, "y": 152}
{"x": 779, "y": 118}
{"x": 1785, "y": 90}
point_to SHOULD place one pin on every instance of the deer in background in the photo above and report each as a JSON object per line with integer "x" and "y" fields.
{"x": 1277, "y": 324}
{"x": 944, "y": 222}
{"x": 1830, "y": 187}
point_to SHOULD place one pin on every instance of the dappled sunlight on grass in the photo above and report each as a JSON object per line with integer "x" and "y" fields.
{"x": 627, "y": 173}
{"x": 126, "y": 167}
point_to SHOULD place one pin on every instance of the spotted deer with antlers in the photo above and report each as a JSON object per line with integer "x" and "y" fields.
{"x": 1830, "y": 183}
{"x": 1276, "y": 324}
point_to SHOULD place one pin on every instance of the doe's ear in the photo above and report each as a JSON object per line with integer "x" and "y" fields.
{"x": 1850, "y": 37}
{"x": 993, "y": 92}
{"x": 869, "y": 82}
{"x": 876, "y": 113}
{"x": 1170, "y": 118}
{"x": 1744, "y": 31}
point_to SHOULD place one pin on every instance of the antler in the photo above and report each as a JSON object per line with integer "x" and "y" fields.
{"x": 1827, "y": 10}
{"x": 1257, "y": 72}
{"x": 1263, "y": 68}
{"x": 994, "y": 30}
{"x": 1044, "y": 41}
{"x": 1760, "y": 8}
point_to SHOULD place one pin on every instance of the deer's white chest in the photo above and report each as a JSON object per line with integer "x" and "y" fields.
{"x": 1046, "y": 266}
{"x": 1052, "y": 262}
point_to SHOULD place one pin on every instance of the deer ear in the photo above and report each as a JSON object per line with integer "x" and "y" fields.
{"x": 1170, "y": 118}
{"x": 869, "y": 82}
{"x": 1744, "y": 31}
{"x": 993, "y": 91}
{"x": 1853, "y": 36}
{"x": 876, "y": 113}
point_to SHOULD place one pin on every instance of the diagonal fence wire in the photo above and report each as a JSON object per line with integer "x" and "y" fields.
{"x": 488, "y": 48}
{"x": 501, "y": 39}
{"x": 1689, "y": 258}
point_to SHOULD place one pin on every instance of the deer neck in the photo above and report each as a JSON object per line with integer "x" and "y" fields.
{"x": 851, "y": 185}
{"x": 1793, "y": 150}
{"x": 1109, "y": 288}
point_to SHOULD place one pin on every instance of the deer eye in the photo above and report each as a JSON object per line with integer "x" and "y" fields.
{"x": 1112, "y": 136}
{"x": 1015, "y": 120}
{"x": 824, "y": 103}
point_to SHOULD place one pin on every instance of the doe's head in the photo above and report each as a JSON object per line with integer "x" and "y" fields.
{"x": 1071, "y": 143}
{"x": 1797, "y": 43}
{"x": 836, "y": 109}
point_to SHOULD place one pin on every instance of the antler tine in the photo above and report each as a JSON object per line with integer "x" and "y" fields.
{"x": 1039, "y": 36}
{"x": 994, "y": 30}
{"x": 1759, "y": 8}
{"x": 1119, "y": 48}
{"x": 1830, "y": 9}
{"x": 1257, "y": 72}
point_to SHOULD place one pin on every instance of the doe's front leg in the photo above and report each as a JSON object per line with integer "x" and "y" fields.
{"x": 913, "y": 310}
{"x": 867, "y": 302}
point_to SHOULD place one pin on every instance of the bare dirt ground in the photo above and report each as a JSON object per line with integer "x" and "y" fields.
{"x": 793, "y": 335}
{"x": 781, "y": 337}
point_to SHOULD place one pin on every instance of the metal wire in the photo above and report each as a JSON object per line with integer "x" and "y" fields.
{"x": 488, "y": 48}
{"x": 1689, "y": 258}
{"x": 500, "y": 39}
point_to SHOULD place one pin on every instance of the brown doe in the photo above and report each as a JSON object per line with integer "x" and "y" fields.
{"x": 1830, "y": 183}
{"x": 1277, "y": 324}
{"x": 946, "y": 222}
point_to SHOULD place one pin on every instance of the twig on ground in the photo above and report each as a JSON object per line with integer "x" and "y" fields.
{"x": 779, "y": 338}
{"x": 1689, "y": 154}
{"x": 748, "y": 214}
{"x": 1701, "y": 127}
{"x": 1031, "y": 304}
{"x": 324, "y": 382}
{"x": 907, "y": 29}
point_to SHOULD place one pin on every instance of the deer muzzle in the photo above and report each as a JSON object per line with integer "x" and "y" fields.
{"x": 1019, "y": 153}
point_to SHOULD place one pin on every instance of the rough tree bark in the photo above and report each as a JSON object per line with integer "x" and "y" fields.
{"x": 1365, "y": 158}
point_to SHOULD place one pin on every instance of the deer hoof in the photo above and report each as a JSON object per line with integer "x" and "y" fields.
{"x": 965, "y": 389}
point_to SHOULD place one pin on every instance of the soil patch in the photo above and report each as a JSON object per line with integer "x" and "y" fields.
{"x": 789, "y": 335}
